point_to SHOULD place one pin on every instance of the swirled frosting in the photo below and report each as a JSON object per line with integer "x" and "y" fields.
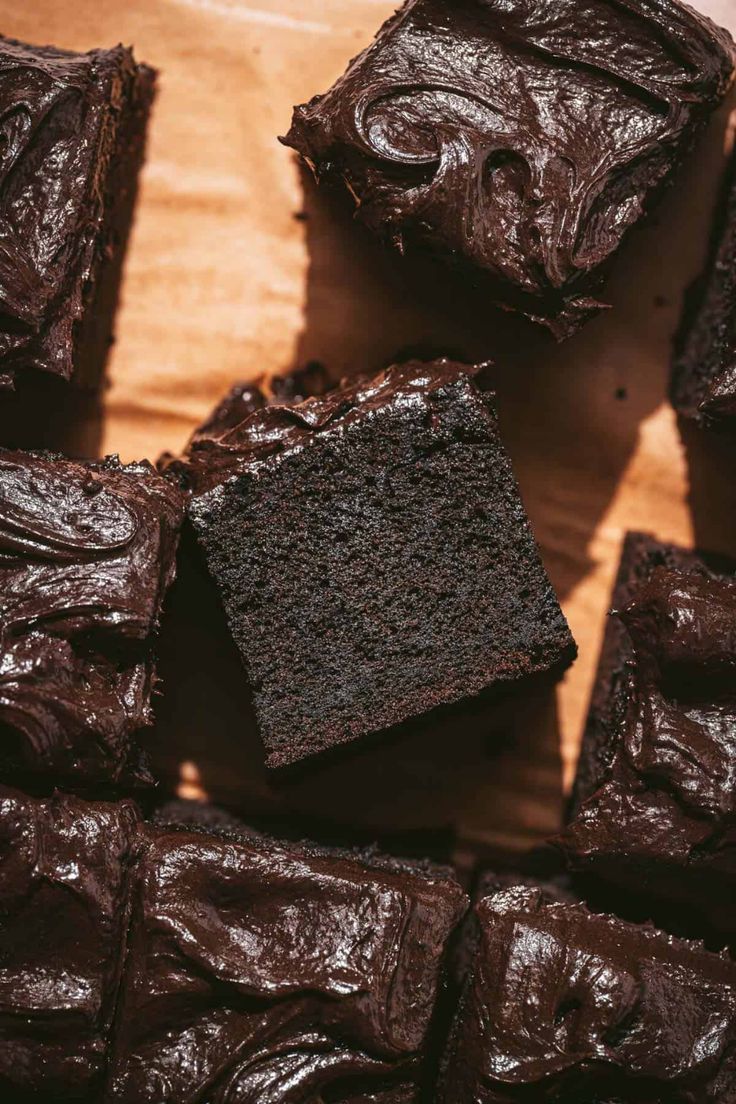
{"x": 661, "y": 814}
{"x": 64, "y": 868}
{"x": 59, "y": 114}
{"x": 87, "y": 552}
{"x": 522, "y": 136}
{"x": 261, "y": 973}
{"x": 564, "y": 1004}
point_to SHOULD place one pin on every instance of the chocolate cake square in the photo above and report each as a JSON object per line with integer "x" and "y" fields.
{"x": 373, "y": 556}
{"x": 518, "y": 140}
{"x": 654, "y": 801}
{"x": 64, "y": 867}
{"x": 704, "y": 373}
{"x": 564, "y": 1005}
{"x": 72, "y": 130}
{"x": 87, "y": 552}
{"x": 266, "y": 971}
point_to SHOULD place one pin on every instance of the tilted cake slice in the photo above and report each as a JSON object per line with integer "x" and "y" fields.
{"x": 373, "y": 556}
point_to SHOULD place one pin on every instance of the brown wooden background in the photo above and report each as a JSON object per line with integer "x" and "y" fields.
{"x": 238, "y": 268}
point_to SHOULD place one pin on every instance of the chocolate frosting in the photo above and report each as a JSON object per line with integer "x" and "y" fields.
{"x": 272, "y": 974}
{"x": 522, "y": 136}
{"x": 684, "y": 634}
{"x": 571, "y": 1005}
{"x": 229, "y": 444}
{"x": 704, "y": 377}
{"x": 668, "y": 792}
{"x": 719, "y": 402}
{"x": 63, "y": 916}
{"x": 87, "y": 552}
{"x": 58, "y": 113}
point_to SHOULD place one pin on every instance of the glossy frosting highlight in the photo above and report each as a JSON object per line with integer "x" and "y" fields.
{"x": 271, "y": 974}
{"x": 87, "y": 552}
{"x": 661, "y": 817}
{"x": 64, "y": 867}
{"x": 575, "y": 1006}
{"x": 523, "y": 136}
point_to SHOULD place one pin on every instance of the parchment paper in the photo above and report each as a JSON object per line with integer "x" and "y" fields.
{"x": 238, "y": 268}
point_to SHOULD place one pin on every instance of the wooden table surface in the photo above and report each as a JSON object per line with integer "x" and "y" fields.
{"x": 225, "y": 282}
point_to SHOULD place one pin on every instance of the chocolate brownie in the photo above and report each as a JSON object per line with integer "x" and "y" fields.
{"x": 72, "y": 130}
{"x": 518, "y": 139}
{"x": 271, "y": 972}
{"x": 653, "y": 806}
{"x": 561, "y": 1004}
{"x": 373, "y": 556}
{"x": 704, "y": 375}
{"x": 87, "y": 552}
{"x": 64, "y": 868}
